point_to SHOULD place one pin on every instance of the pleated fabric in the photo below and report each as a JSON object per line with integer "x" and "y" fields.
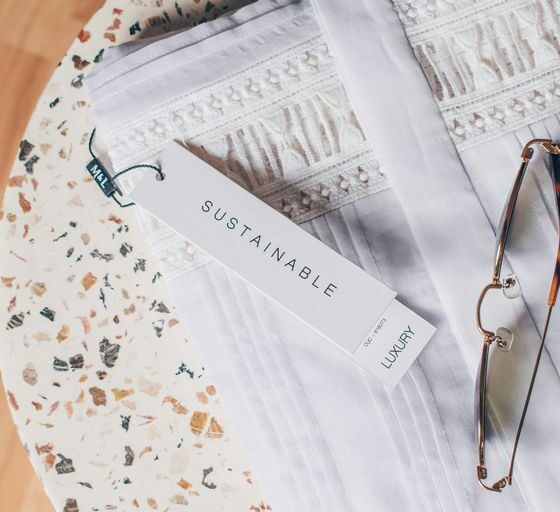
{"x": 322, "y": 433}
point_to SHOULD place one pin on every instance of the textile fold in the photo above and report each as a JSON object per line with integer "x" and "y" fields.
{"x": 324, "y": 112}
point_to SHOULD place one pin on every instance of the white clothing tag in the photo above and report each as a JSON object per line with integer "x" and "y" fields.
{"x": 340, "y": 300}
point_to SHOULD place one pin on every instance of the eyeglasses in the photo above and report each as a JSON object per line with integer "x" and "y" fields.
{"x": 509, "y": 285}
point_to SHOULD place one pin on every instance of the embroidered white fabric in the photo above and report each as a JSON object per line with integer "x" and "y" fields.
{"x": 281, "y": 126}
{"x": 452, "y": 205}
{"x": 493, "y": 66}
{"x": 320, "y": 432}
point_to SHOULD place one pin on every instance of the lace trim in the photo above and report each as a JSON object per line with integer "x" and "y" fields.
{"x": 330, "y": 187}
{"x": 492, "y": 66}
{"x": 283, "y": 129}
{"x": 417, "y": 13}
{"x": 526, "y": 102}
{"x": 224, "y": 103}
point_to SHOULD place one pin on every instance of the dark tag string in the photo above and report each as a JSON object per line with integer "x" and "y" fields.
{"x": 106, "y": 182}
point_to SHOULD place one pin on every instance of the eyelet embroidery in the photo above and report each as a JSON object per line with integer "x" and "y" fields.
{"x": 492, "y": 66}
{"x": 283, "y": 129}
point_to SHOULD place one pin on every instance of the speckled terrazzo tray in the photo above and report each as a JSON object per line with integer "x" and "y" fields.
{"x": 111, "y": 399}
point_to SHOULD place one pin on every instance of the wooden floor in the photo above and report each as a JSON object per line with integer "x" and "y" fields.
{"x": 35, "y": 35}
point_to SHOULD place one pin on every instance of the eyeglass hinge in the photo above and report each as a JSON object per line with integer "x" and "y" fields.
{"x": 482, "y": 473}
{"x": 527, "y": 153}
{"x": 501, "y": 483}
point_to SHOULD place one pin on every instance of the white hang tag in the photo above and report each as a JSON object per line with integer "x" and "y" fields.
{"x": 340, "y": 300}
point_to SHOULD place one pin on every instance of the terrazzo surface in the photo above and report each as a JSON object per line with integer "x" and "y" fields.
{"x": 111, "y": 399}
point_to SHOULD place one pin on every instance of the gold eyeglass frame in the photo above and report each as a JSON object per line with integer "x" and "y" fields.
{"x": 497, "y": 283}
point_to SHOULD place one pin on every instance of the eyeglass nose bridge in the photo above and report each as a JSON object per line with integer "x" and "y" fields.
{"x": 488, "y": 335}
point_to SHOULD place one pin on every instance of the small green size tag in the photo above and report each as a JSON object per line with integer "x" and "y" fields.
{"x": 102, "y": 177}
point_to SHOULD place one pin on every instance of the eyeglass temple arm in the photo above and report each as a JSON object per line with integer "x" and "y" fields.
{"x": 555, "y": 171}
{"x": 508, "y": 478}
{"x": 508, "y": 216}
{"x": 481, "y": 471}
{"x": 526, "y": 155}
{"x": 554, "y": 154}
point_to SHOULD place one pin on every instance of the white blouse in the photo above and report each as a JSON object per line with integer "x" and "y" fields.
{"x": 392, "y": 132}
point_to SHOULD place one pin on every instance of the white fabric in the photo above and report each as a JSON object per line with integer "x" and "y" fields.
{"x": 493, "y": 67}
{"x": 321, "y": 433}
{"x": 275, "y": 119}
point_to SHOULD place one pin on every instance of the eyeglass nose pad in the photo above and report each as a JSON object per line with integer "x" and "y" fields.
{"x": 504, "y": 338}
{"x": 511, "y": 287}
